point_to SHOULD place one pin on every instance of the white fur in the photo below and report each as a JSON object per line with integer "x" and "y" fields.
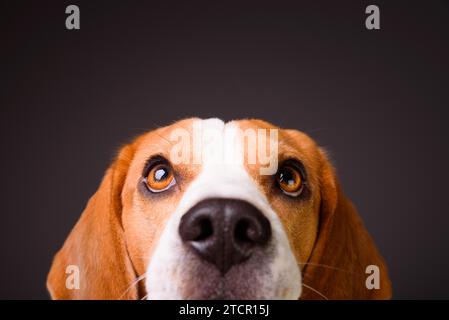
{"x": 226, "y": 178}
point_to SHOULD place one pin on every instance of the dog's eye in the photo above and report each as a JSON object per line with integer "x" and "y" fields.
{"x": 160, "y": 178}
{"x": 290, "y": 180}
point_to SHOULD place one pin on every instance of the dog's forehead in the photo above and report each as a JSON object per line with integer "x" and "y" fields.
{"x": 162, "y": 135}
{"x": 183, "y": 136}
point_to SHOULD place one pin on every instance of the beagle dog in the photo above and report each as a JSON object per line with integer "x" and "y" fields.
{"x": 204, "y": 209}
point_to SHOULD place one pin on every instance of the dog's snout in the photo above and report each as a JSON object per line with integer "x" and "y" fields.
{"x": 224, "y": 232}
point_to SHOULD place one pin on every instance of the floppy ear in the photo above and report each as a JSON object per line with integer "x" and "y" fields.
{"x": 93, "y": 263}
{"x": 338, "y": 264}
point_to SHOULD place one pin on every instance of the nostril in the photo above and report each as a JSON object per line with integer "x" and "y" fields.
{"x": 196, "y": 227}
{"x": 242, "y": 232}
{"x": 252, "y": 231}
{"x": 205, "y": 229}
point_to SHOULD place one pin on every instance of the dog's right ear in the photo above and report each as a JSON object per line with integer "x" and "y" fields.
{"x": 337, "y": 268}
{"x": 93, "y": 263}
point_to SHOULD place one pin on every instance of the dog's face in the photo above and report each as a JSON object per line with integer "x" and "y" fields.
{"x": 204, "y": 209}
{"x": 192, "y": 237}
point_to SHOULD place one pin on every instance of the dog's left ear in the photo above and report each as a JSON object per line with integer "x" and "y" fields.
{"x": 345, "y": 263}
{"x": 94, "y": 263}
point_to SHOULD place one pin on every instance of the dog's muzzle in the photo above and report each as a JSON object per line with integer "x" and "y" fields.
{"x": 224, "y": 232}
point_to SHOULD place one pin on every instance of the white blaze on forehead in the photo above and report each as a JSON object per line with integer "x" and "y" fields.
{"x": 223, "y": 175}
{"x": 217, "y": 143}
{"x": 223, "y": 172}
{"x": 214, "y": 142}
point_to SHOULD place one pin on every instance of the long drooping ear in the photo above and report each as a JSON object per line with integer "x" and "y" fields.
{"x": 337, "y": 268}
{"x": 93, "y": 263}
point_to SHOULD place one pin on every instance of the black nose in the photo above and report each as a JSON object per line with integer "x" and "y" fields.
{"x": 224, "y": 232}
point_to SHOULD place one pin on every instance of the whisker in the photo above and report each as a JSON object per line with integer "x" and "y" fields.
{"x": 325, "y": 266}
{"x": 145, "y": 297}
{"x": 316, "y": 291}
{"x": 135, "y": 282}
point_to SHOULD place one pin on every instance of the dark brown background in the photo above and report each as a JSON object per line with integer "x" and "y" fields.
{"x": 377, "y": 100}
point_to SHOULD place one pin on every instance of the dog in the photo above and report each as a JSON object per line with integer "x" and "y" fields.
{"x": 206, "y": 209}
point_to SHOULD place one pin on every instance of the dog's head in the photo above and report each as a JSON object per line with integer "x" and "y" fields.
{"x": 204, "y": 209}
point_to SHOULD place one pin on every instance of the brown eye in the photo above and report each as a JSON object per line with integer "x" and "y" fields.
{"x": 289, "y": 180}
{"x": 160, "y": 178}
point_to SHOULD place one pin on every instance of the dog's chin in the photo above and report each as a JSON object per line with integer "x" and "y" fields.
{"x": 251, "y": 280}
